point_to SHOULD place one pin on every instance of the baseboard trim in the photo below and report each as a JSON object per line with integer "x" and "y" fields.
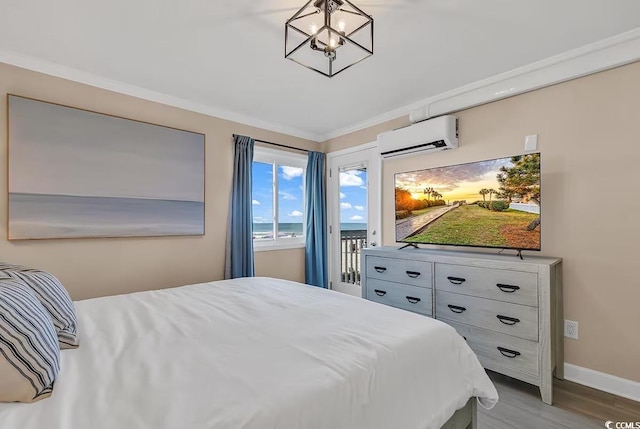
{"x": 606, "y": 382}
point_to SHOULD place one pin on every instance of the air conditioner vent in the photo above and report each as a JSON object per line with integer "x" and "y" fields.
{"x": 430, "y": 135}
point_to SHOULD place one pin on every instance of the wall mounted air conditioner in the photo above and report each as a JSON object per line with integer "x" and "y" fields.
{"x": 433, "y": 134}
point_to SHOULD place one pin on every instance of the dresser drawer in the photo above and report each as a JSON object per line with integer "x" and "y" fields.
{"x": 513, "y": 319}
{"x": 503, "y": 285}
{"x": 498, "y": 352}
{"x": 404, "y": 271}
{"x": 406, "y": 297}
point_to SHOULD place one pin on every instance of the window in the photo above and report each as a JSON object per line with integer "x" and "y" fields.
{"x": 278, "y": 199}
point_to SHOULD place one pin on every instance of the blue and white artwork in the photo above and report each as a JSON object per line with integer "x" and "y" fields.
{"x": 75, "y": 173}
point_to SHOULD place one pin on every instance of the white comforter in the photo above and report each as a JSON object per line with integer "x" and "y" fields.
{"x": 255, "y": 353}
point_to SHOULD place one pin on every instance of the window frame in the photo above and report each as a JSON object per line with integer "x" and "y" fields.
{"x": 279, "y": 158}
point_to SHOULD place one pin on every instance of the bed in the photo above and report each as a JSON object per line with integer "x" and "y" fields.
{"x": 257, "y": 353}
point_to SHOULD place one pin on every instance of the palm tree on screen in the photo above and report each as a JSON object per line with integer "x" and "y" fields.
{"x": 490, "y": 192}
{"x": 428, "y": 192}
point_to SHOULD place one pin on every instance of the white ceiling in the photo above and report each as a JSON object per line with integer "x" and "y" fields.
{"x": 229, "y": 55}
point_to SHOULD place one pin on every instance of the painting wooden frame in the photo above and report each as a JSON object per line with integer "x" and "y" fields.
{"x": 76, "y": 173}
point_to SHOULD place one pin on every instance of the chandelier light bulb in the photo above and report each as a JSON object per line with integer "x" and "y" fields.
{"x": 341, "y": 25}
{"x": 333, "y": 42}
{"x": 314, "y": 28}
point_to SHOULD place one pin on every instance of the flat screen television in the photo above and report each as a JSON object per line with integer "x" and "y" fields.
{"x": 492, "y": 203}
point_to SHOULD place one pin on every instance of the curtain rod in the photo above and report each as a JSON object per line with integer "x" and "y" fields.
{"x": 280, "y": 145}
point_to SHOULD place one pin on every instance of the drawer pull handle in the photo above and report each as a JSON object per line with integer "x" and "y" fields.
{"x": 507, "y": 288}
{"x": 380, "y": 292}
{"x": 413, "y": 299}
{"x": 456, "y": 309}
{"x": 380, "y": 269}
{"x": 511, "y": 354}
{"x": 413, "y": 274}
{"x": 507, "y": 320}
{"x": 456, "y": 280}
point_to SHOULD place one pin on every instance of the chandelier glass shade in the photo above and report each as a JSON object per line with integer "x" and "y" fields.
{"x": 329, "y": 36}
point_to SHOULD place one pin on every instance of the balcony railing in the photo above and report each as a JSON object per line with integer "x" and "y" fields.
{"x": 351, "y": 243}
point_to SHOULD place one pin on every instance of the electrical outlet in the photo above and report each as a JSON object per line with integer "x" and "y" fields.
{"x": 531, "y": 143}
{"x": 571, "y": 329}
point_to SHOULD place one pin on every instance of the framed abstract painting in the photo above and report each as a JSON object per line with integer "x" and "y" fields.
{"x": 74, "y": 173}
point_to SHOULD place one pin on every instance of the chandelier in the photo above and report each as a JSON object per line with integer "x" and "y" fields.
{"x": 329, "y": 36}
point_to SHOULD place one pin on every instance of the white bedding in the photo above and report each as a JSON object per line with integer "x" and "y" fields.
{"x": 255, "y": 353}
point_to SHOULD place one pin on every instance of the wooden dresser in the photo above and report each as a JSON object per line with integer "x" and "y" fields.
{"x": 509, "y": 310}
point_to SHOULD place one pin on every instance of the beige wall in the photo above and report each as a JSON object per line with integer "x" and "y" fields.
{"x": 97, "y": 267}
{"x": 282, "y": 264}
{"x": 589, "y": 136}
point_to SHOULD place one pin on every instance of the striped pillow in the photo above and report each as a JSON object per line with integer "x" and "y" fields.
{"x": 54, "y": 298}
{"x": 29, "y": 354}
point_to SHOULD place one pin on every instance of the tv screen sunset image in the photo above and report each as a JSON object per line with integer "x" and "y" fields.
{"x": 494, "y": 203}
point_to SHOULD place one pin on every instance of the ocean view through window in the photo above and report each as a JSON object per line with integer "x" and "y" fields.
{"x": 353, "y": 221}
{"x": 278, "y": 198}
{"x": 265, "y": 230}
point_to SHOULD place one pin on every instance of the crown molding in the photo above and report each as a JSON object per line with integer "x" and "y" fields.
{"x": 602, "y": 55}
{"x": 593, "y": 58}
{"x": 80, "y": 76}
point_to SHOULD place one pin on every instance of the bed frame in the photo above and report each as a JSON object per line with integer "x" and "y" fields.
{"x": 465, "y": 418}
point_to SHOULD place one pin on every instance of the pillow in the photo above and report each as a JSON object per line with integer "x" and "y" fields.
{"x": 53, "y": 297}
{"x": 29, "y": 353}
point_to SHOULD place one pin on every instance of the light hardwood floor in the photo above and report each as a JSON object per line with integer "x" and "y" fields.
{"x": 574, "y": 406}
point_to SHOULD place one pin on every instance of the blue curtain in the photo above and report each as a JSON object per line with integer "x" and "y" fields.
{"x": 315, "y": 270}
{"x": 239, "y": 257}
